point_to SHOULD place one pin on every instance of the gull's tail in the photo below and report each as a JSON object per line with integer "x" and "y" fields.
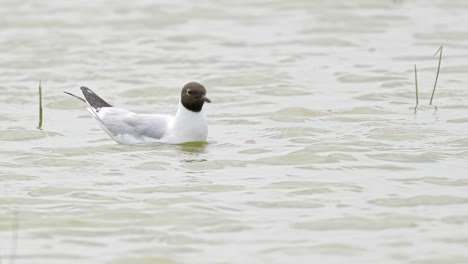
{"x": 95, "y": 103}
{"x": 77, "y": 97}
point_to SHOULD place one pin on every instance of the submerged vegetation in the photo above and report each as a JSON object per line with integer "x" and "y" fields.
{"x": 14, "y": 239}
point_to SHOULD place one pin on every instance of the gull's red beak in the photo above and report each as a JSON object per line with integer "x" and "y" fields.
{"x": 206, "y": 99}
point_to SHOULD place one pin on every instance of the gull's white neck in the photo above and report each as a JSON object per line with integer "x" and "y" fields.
{"x": 187, "y": 126}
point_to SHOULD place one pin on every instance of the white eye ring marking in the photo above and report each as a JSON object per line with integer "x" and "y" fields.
{"x": 188, "y": 91}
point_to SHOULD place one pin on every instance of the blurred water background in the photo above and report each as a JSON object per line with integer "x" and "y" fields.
{"x": 315, "y": 154}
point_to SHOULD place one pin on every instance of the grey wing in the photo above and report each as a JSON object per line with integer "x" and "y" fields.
{"x": 124, "y": 126}
{"x": 127, "y": 127}
{"x": 153, "y": 126}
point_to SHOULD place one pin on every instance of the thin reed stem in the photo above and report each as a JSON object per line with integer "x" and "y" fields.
{"x": 438, "y": 70}
{"x": 416, "y": 84}
{"x": 40, "y": 106}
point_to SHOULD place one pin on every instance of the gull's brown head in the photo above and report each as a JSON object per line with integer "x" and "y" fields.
{"x": 193, "y": 96}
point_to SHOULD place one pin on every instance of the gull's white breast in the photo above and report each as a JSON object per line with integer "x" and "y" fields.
{"x": 187, "y": 126}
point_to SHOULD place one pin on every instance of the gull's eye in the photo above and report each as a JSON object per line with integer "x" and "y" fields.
{"x": 189, "y": 92}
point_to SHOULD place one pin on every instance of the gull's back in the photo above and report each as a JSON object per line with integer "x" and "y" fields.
{"x": 124, "y": 126}
{"x": 127, "y": 127}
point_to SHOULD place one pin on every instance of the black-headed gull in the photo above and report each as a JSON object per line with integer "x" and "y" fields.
{"x": 188, "y": 125}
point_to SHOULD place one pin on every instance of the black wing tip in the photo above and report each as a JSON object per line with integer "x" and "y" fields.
{"x": 84, "y": 88}
{"x": 93, "y": 99}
